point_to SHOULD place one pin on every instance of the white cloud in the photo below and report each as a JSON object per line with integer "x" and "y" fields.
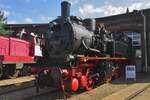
{"x": 109, "y": 9}
{"x": 89, "y": 9}
{"x": 113, "y": 10}
{"x": 105, "y": 10}
{"x": 45, "y": 18}
{"x": 12, "y": 22}
{"x": 28, "y": 20}
{"x": 139, "y": 5}
{"x": 138, "y": 0}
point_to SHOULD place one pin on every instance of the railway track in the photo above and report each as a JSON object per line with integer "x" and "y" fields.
{"x": 27, "y": 91}
{"x": 47, "y": 95}
{"x": 13, "y": 88}
{"x": 24, "y": 92}
{"x": 22, "y": 88}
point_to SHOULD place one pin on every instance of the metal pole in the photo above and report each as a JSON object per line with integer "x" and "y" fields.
{"x": 145, "y": 41}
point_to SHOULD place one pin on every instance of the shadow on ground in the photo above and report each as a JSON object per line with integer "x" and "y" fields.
{"x": 140, "y": 78}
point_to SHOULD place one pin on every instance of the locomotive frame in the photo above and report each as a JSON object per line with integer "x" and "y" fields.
{"x": 80, "y": 75}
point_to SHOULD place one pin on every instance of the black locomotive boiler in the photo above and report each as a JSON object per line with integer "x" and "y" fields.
{"x": 77, "y": 54}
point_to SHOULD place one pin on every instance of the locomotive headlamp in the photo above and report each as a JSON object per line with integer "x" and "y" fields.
{"x": 45, "y": 72}
{"x": 85, "y": 59}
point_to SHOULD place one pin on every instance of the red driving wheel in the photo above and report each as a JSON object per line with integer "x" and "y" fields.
{"x": 74, "y": 84}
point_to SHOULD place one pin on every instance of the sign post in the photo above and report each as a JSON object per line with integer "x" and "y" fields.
{"x": 131, "y": 72}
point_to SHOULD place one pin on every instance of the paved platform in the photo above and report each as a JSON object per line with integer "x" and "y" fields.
{"x": 16, "y": 80}
{"x": 129, "y": 92}
{"x": 145, "y": 95}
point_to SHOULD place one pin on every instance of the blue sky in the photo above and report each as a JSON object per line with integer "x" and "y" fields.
{"x": 42, "y": 11}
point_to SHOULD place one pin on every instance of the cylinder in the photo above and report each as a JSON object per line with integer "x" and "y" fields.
{"x": 65, "y": 9}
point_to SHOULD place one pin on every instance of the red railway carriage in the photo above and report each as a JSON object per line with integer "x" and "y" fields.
{"x": 17, "y": 54}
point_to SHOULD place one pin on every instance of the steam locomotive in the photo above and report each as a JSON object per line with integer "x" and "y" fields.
{"x": 77, "y": 54}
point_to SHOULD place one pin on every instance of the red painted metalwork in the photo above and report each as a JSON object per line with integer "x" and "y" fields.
{"x": 81, "y": 76}
{"x": 73, "y": 71}
{"x": 85, "y": 59}
{"x": 86, "y": 65}
{"x": 18, "y": 47}
{"x": 4, "y": 46}
{"x": 17, "y": 58}
{"x": 14, "y": 50}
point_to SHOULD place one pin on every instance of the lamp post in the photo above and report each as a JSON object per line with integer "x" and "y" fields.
{"x": 145, "y": 41}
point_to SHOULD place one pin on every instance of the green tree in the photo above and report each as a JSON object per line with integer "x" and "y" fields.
{"x": 3, "y": 21}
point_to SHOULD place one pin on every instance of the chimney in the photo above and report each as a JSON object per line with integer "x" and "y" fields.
{"x": 65, "y": 9}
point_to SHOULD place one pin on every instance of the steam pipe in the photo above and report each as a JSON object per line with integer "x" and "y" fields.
{"x": 91, "y": 49}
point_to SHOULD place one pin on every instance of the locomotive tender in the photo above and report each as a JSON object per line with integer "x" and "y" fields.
{"x": 77, "y": 54}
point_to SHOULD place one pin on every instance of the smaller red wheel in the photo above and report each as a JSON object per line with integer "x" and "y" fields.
{"x": 109, "y": 79}
{"x": 83, "y": 81}
{"x": 90, "y": 81}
